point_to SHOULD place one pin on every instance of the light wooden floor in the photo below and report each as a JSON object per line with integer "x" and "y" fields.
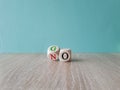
{"x": 36, "y": 72}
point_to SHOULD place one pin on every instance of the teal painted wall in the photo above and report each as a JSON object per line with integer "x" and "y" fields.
{"x": 82, "y": 25}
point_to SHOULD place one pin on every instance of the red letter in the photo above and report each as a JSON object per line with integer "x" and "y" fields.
{"x": 53, "y": 56}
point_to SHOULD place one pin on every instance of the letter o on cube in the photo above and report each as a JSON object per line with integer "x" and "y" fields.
{"x": 53, "y": 52}
{"x": 65, "y": 55}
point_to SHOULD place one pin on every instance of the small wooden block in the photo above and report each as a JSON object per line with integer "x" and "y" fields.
{"x": 53, "y": 52}
{"x": 65, "y": 55}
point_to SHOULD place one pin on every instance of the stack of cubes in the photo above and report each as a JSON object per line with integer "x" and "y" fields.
{"x": 55, "y": 53}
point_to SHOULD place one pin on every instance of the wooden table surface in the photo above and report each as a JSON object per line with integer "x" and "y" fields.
{"x": 36, "y": 72}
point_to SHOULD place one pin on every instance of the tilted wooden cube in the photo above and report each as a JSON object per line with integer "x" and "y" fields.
{"x": 53, "y": 52}
{"x": 65, "y": 55}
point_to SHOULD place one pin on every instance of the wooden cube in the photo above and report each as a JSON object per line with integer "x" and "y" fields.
{"x": 65, "y": 55}
{"x": 53, "y": 52}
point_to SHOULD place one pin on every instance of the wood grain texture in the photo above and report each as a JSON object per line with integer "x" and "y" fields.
{"x": 36, "y": 72}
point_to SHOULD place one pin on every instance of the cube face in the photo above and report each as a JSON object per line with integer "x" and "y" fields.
{"x": 53, "y": 56}
{"x": 65, "y": 55}
{"x": 53, "y": 48}
{"x": 53, "y": 52}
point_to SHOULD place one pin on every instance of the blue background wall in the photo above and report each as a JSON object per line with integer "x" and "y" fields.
{"x": 82, "y": 25}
